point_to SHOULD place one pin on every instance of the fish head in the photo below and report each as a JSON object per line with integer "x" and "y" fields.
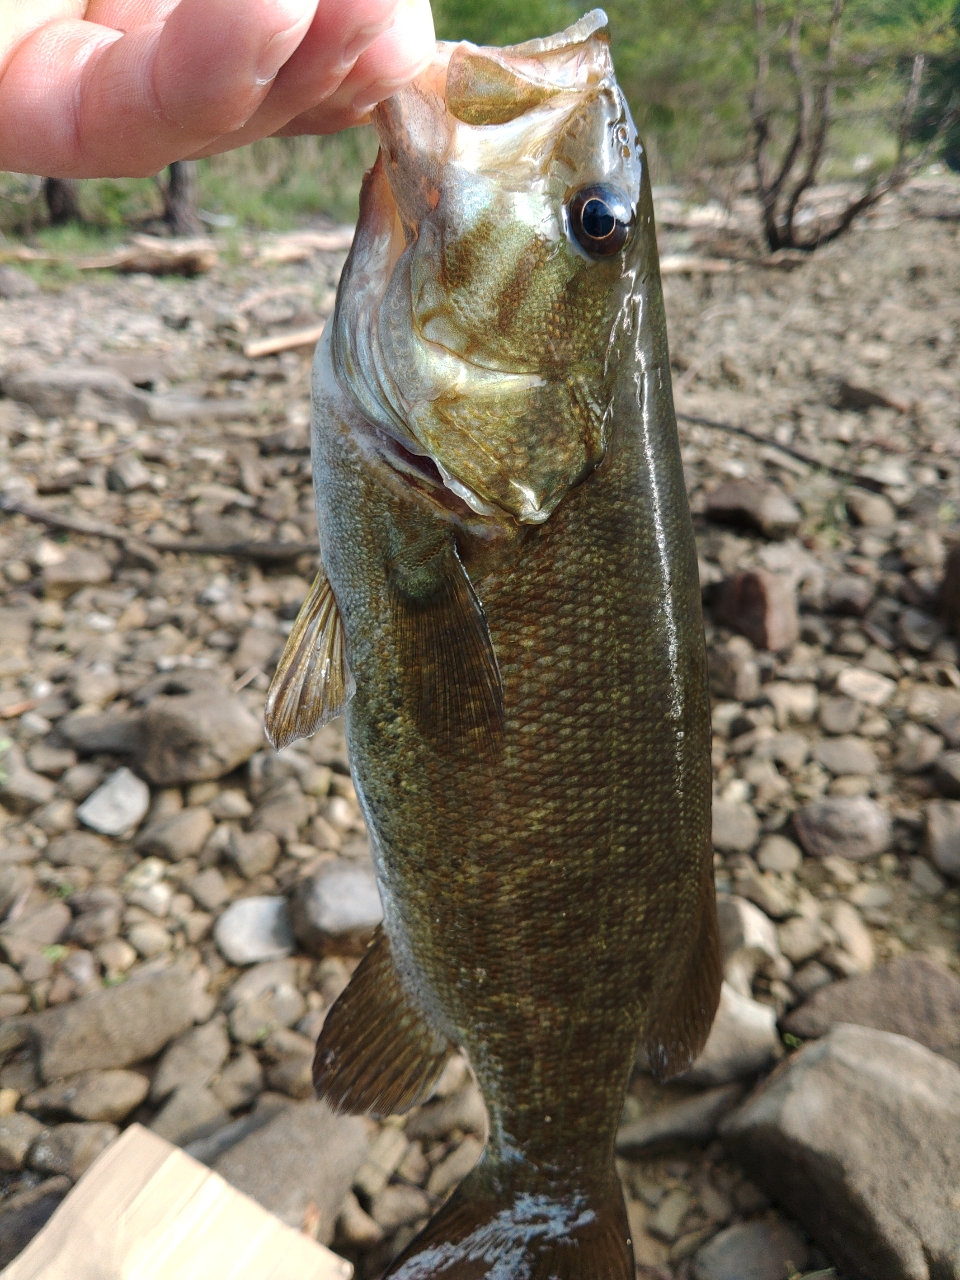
{"x": 502, "y": 233}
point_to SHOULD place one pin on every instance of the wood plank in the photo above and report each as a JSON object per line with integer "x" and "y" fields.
{"x": 145, "y": 1210}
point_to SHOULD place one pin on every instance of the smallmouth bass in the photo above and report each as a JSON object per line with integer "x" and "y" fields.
{"x": 509, "y": 613}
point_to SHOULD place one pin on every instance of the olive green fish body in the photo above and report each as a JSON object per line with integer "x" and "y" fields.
{"x": 529, "y": 731}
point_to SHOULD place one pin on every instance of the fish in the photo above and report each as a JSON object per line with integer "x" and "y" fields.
{"x": 508, "y": 615}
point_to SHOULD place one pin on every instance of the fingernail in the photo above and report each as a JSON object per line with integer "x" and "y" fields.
{"x": 363, "y": 40}
{"x": 297, "y": 16}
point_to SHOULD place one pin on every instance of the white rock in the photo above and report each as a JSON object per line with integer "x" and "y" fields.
{"x": 117, "y": 806}
{"x": 743, "y": 1040}
{"x": 866, "y": 686}
{"x": 255, "y": 929}
{"x": 749, "y": 942}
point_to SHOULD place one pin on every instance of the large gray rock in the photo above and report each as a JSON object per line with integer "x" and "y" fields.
{"x": 752, "y": 1251}
{"x": 193, "y": 1058}
{"x": 858, "y": 1135}
{"x": 71, "y": 1149}
{"x": 196, "y": 735}
{"x": 912, "y": 996}
{"x": 850, "y": 827}
{"x": 113, "y": 1028}
{"x": 340, "y": 902}
{"x": 305, "y": 1155}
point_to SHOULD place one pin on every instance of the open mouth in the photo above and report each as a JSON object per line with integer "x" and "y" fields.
{"x": 427, "y": 475}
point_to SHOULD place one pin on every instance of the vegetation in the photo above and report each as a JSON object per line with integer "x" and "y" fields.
{"x": 690, "y": 71}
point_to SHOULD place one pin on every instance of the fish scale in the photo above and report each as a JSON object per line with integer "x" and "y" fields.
{"x": 529, "y": 731}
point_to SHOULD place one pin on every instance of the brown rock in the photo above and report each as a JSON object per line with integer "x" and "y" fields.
{"x": 71, "y": 1149}
{"x": 195, "y": 737}
{"x": 180, "y": 836}
{"x": 78, "y": 568}
{"x": 912, "y": 996}
{"x": 949, "y": 596}
{"x": 762, "y": 606}
{"x": 762, "y": 506}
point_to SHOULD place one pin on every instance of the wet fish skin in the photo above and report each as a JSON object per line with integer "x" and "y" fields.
{"x": 529, "y": 732}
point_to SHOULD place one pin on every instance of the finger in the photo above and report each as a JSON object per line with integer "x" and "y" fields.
{"x": 78, "y": 99}
{"x": 389, "y": 63}
{"x": 127, "y": 15}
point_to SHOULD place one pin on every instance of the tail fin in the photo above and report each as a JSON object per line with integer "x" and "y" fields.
{"x": 527, "y": 1235}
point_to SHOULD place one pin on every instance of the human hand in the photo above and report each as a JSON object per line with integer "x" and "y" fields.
{"x": 120, "y": 88}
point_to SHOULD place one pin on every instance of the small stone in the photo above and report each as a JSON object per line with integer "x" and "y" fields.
{"x": 53, "y": 391}
{"x": 230, "y": 805}
{"x": 193, "y": 737}
{"x": 52, "y": 761}
{"x": 454, "y": 1167}
{"x": 748, "y": 941}
{"x": 918, "y": 630}
{"x": 340, "y": 902}
{"x": 149, "y": 938}
{"x": 180, "y": 836}
{"x": 91, "y": 1095}
{"x": 116, "y": 956}
{"x": 742, "y": 1041}
{"x": 128, "y": 474}
{"x": 193, "y": 1058}
{"x": 792, "y": 702}
{"x": 255, "y": 929}
{"x": 857, "y": 1135}
{"x": 736, "y": 828}
{"x": 777, "y": 853}
{"x": 839, "y": 715}
{"x": 810, "y": 978}
{"x": 800, "y": 939}
{"x": 80, "y": 779}
{"x": 946, "y": 775}
{"x": 762, "y": 606}
{"x": 16, "y": 284}
{"x": 18, "y": 1133}
{"x": 209, "y": 889}
{"x": 762, "y": 506}
{"x": 21, "y": 789}
{"x": 70, "y": 1149}
{"x": 911, "y": 996}
{"x": 752, "y": 1251}
{"x": 284, "y": 812}
{"x": 463, "y": 1109}
{"x": 118, "y": 806}
{"x": 355, "y": 1226}
{"x": 693, "y": 1119}
{"x": 734, "y": 672}
{"x": 855, "y": 951}
{"x": 254, "y": 852}
{"x": 850, "y": 827}
{"x": 264, "y": 999}
{"x": 305, "y": 1155}
{"x": 192, "y": 1112}
{"x": 943, "y": 836}
{"x": 870, "y": 508}
{"x": 398, "y": 1205}
{"x": 240, "y": 1080}
{"x": 850, "y": 594}
{"x": 384, "y": 1157}
{"x": 924, "y": 878}
{"x": 78, "y": 849}
{"x": 917, "y": 748}
{"x": 78, "y": 568}
{"x": 846, "y": 755}
{"x": 667, "y": 1222}
{"x": 865, "y": 686}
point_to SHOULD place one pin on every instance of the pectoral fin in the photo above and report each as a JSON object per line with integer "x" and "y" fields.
{"x": 377, "y": 1054}
{"x": 312, "y": 683}
{"x": 448, "y": 660}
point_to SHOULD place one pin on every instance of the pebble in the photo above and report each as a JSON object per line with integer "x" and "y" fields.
{"x": 846, "y": 755}
{"x": 26, "y": 1212}
{"x": 917, "y": 748}
{"x": 18, "y": 1133}
{"x": 764, "y": 507}
{"x": 254, "y": 929}
{"x": 946, "y": 775}
{"x": 762, "y": 606}
{"x": 263, "y": 999}
{"x": 867, "y": 1123}
{"x": 666, "y": 1222}
{"x": 777, "y": 853}
{"x": 118, "y": 806}
{"x": 397, "y": 1205}
{"x": 736, "y": 828}
{"x": 849, "y": 827}
{"x": 239, "y": 1081}
{"x": 748, "y": 940}
{"x": 193, "y": 737}
{"x": 91, "y": 1095}
{"x": 193, "y": 1058}
{"x": 180, "y": 836}
{"x": 192, "y": 1112}
{"x": 70, "y": 1148}
{"x": 865, "y": 686}
{"x": 454, "y": 1167}
{"x": 254, "y": 852}
{"x": 692, "y": 1119}
{"x": 742, "y": 1041}
{"x": 942, "y": 837}
{"x": 341, "y": 902}
{"x": 764, "y": 1250}
{"x": 209, "y": 889}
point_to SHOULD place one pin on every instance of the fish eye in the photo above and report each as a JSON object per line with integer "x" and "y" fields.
{"x": 600, "y": 220}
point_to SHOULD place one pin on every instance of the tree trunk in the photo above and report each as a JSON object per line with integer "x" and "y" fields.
{"x": 62, "y": 204}
{"x": 180, "y": 199}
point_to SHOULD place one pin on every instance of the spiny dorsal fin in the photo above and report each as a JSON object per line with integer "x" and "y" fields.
{"x": 312, "y": 682}
{"x": 377, "y": 1053}
{"x": 449, "y": 664}
{"x": 680, "y": 1030}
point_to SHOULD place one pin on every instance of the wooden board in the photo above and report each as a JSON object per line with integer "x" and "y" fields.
{"x": 145, "y": 1210}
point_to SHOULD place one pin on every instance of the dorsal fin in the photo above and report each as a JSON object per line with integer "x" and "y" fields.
{"x": 377, "y": 1053}
{"x": 312, "y": 683}
{"x": 449, "y": 665}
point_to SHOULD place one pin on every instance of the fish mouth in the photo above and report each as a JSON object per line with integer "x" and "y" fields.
{"x": 423, "y": 472}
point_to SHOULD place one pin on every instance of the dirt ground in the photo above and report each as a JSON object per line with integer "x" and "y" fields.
{"x": 845, "y": 365}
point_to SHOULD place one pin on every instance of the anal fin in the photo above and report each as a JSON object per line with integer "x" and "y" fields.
{"x": 377, "y": 1053}
{"x": 312, "y": 683}
{"x": 448, "y": 658}
{"x": 686, "y": 1011}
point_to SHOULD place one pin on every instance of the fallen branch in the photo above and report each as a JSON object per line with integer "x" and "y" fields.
{"x": 862, "y": 482}
{"x": 156, "y": 257}
{"x": 150, "y": 549}
{"x": 283, "y": 342}
{"x": 678, "y": 264}
{"x": 300, "y": 245}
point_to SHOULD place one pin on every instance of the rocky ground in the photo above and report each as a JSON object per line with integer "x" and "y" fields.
{"x": 181, "y": 904}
